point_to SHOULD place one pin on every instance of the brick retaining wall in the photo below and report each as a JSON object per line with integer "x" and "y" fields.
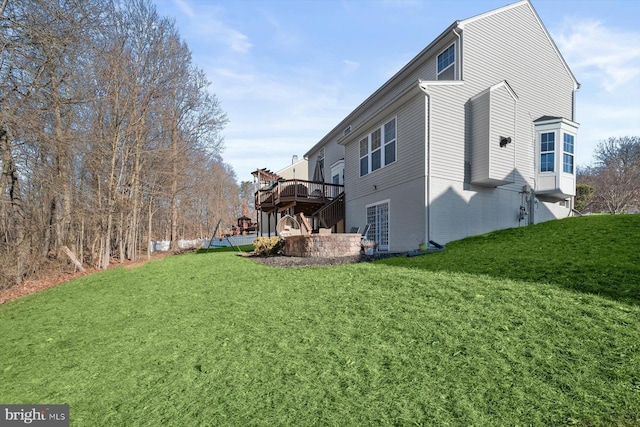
{"x": 323, "y": 245}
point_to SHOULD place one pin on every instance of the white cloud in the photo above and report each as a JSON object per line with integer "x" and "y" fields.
{"x": 185, "y": 8}
{"x": 219, "y": 31}
{"x": 597, "y": 52}
{"x": 350, "y": 66}
{"x": 207, "y": 24}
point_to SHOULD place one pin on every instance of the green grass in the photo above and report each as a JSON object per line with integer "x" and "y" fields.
{"x": 216, "y": 339}
{"x": 597, "y": 254}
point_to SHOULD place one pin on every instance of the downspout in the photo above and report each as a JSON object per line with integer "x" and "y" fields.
{"x": 573, "y": 102}
{"x": 572, "y": 201}
{"x": 427, "y": 195}
{"x": 459, "y": 63}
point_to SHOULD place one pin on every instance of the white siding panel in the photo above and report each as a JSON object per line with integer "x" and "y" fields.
{"x": 407, "y": 214}
{"x": 410, "y": 157}
{"x": 457, "y": 213}
{"x": 478, "y": 118}
{"x": 448, "y": 131}
{"x": 332, "y": 153}
{"x": 508, "y": 46}
{"x": 503, "y": 108}
{"x": 512, "y": 46}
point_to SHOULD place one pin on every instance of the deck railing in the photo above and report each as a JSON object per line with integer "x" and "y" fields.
{"x": 297, "y": 190}
{"x": 330, "y": 214}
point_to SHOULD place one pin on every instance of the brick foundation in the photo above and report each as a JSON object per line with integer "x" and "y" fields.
{"x": 323, "y": 245}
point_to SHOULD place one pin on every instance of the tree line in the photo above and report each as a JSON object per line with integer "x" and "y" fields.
{"x": 612, "y": 183}
{"x": 109, "y": 136}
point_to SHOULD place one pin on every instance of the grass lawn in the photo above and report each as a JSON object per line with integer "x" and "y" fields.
{"x": 496, "y": 330}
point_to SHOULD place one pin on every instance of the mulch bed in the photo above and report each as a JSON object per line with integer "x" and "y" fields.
{"x": 292, "y": 261}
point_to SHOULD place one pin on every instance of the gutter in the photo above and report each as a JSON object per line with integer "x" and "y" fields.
{"x": 385, "y": 88}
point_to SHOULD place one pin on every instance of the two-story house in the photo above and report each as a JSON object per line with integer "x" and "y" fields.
{"x": 476, "y": 133}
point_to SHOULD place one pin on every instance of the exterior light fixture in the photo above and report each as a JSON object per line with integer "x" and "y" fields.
{"x": 504, "y": 140}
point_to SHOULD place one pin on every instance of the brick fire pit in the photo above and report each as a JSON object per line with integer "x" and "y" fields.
{"x": 323, "y": 245}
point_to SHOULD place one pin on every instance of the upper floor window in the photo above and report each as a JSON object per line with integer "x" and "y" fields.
{"x": 378, "y": 149}
{"x": 547, "y": 147}
{"x": 447, "y": 64}
{"x": 567, "y": 156}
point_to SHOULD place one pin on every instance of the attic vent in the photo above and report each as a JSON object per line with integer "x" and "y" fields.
{"x": 346, "y": 131}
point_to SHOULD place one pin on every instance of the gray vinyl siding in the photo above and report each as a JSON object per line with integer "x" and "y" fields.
{"x": 410, "y": 152}
{"x": 512, "y": 46}
{"x": 448, "y": 143}
{"x": 403, "y": 182}
{"x": 479, "y": 122}
{"x": 491, "y": 116}
{"x": 332, "y": 153}
{"x": 425, "y": 68}
{"x": 406, "y": 213}
{"x": 508, "y": 46}
{"x": 502, "y": 161}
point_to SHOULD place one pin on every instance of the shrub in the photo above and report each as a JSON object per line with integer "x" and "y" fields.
{"x": 266, "y": 245}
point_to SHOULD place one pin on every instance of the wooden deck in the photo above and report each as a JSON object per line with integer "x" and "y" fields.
{"x": 305, "y": 196}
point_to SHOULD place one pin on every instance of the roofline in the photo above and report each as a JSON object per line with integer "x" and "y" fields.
{"x": 544, "y": 28}
{"x": 413, "y": 63}
{"x": 550, "y": 120}
{"x": 458, "y": 24}
{"x": 492, "y": 12}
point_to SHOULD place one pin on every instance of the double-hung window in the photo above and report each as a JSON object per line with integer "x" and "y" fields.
{"x": 447, "y": 64}
{"x": 547, "y": 147}
{"x": 378, "y": 149}
{"x": 567, "y": 155}
{"x": 390, "y": 142}
{"x": 364, "y": 156}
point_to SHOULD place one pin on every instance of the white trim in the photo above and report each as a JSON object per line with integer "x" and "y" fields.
{"x": 464, "y": 22}
{"x": 338, "y": 168}
{"x": 391, "y": 105}
{"x": 383, "y": 144}
{"x": 424, "y": 84}
{"x": 366, "y": 219}
{"x": 453, "y": 64}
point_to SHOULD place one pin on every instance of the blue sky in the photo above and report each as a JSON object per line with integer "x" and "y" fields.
{"x": 287, "y": 72}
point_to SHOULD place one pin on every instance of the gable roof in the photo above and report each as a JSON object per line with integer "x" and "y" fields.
{"x": 461, "y": 25}
{"x": 424, "y": 54}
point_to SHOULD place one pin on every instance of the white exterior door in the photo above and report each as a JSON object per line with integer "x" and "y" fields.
{"x": 378, "y": 218}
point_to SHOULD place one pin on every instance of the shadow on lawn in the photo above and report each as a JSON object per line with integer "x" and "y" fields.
{"x": 596, "y": 255}
{"x": 622, "y": 286}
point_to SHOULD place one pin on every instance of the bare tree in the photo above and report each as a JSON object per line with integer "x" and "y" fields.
{"x": 109, "y": 136}
{"x": 615, "y": 175}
